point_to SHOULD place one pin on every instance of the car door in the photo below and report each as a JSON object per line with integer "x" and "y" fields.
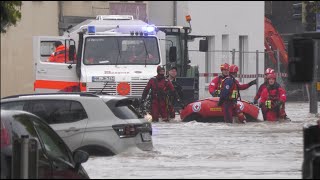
{"x": 67, "y": 117}
{"x": 22, "y": 125}
{"x": 52, "y": 76}
{"x": 58, "y": 153}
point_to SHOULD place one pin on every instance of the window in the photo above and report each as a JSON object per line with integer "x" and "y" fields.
{"x": 52, "y": 143}
{"x": 121, "y": 50}
{"x": 58, "y": 111}
{"x": 123, "y": 109}
{"x": 47, "y": 48}
{"x": 243, "y": 56}
{"x": 13, "y": 105}
{"x": 52, "y": 111}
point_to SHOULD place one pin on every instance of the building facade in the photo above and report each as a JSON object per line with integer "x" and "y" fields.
{"x": 228, "y": 25}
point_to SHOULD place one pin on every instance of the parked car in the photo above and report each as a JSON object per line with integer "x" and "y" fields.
{"x": 100, "y": 125}
{"x": 55, "y": 158}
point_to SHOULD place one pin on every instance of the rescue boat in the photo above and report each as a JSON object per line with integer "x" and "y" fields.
{"x": 207, "y": 110}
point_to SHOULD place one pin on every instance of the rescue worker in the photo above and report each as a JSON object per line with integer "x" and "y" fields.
{"x": 273, "y": 99}
{"x": 59, "y": 55}
{"x": 234, "y": 71}
{"x": 160, "y": 88}
{"x": 215, "y": 85}
{"x": 230, "y": 93}
{"x": 177, "y": 96}
{"x": 264, "y": 86}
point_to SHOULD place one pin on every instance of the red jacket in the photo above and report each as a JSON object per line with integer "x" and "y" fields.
{"x": 274, "y": 93}
{"x": 261, "y": 88}
{"x": 215, "y": 85}
{"x": 160, "y": 87}
{"x": 59, "y": 55}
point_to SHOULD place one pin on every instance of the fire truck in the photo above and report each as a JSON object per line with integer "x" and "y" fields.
{"x": 115, "y": 55}
{"x": 112, "y": 54}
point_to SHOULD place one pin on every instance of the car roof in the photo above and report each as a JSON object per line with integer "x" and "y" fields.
{"x": 60, "y": 96}
{"x": 13, "y": 112}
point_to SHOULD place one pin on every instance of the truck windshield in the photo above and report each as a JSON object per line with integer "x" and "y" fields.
{"x": 124, "y": 50}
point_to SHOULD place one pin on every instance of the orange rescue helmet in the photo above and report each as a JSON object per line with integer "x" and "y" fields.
{"x": 234, "y": 68}
{"x": 225, "y": 66}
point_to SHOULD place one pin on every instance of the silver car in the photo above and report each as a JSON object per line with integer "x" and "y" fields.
{"x": 101, "y": 125}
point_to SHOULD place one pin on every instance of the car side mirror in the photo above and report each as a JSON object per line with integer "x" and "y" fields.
{"x": 72, "y": 51}
{"x": 173, "y": 54}
{"x": 80, "y": 157}
{"x": 203, "y": 45}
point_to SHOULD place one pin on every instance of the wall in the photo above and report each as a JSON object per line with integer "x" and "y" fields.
{"x": 17, "y": 73}
{"x": 157, "y": 15}
{"x": 218, "y": 18}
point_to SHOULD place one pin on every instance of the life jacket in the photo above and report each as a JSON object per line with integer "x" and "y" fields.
{"x": 219, "y": 86}
{"x": 272, "y": 97}
{"x": 234, "y": 90}
{"x": 160, "y": 92}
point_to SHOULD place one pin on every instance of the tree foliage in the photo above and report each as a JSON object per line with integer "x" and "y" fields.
{"x": 10, "y": 14}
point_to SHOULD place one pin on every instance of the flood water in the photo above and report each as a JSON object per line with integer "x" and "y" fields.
{"x": 215, "y": 150}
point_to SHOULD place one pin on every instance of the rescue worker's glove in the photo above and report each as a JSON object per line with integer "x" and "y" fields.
{"x": 255, "y": 101}
{"x": 277, "y": 104}
{"x": 252, "y": 82}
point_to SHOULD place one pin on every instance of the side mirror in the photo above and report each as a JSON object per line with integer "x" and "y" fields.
{"x": 203, "y": 45}
{"x": 72, "y": 51}
{"x": 80, "y": 157}
{"x": 173, "y": 54}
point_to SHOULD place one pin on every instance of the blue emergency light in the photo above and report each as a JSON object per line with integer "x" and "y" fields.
{"x": 91, "y": 29}
{"x": 148, "y": 29}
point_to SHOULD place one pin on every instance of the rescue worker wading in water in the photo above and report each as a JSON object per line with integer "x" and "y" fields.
{"x": 174, "y": 98}
{"x": 230, "y": 93}
{"x": 273, "y": 99}
{"x": 160, "y": 88}
{"x": 264, "y": 86}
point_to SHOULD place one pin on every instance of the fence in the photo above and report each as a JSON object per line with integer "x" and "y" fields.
{"x": 252, "y": 64}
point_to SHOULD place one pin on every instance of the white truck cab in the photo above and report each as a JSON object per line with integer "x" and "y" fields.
{"x": 115, "y": 55}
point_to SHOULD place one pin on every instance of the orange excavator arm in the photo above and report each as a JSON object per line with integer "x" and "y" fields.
{"x": 273, "y": 41}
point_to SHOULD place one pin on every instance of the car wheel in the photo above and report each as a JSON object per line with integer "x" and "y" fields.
{"x": 97, "y": 150}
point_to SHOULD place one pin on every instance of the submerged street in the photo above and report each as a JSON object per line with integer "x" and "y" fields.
{"x": 214, "y": 150}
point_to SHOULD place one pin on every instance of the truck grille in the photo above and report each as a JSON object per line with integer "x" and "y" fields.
{"x": 136, "y": 87}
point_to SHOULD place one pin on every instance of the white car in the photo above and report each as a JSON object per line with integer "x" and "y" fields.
{"x": 100, "y": 125}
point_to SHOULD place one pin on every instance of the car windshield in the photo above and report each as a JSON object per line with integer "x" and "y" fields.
{"x": 125, "y": 50}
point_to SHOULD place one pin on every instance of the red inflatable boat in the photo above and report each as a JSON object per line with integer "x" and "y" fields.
{"x": 207, "y": 110}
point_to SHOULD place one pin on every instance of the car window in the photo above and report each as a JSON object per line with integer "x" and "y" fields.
{"x": 122, "y": 109}
{"x": 58, "y": 111}
{"x": 13, "y": 105}
{"x": 23, "y": 126}
{"x": 53, "y": 144}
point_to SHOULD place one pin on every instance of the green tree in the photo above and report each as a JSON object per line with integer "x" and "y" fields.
{"x": 10, "y": 14}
